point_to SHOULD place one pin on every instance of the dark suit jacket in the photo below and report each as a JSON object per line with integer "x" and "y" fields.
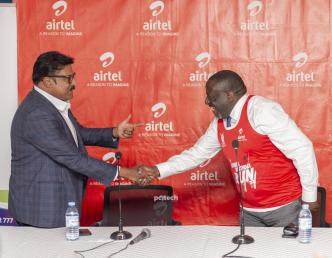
{"x": 48, "y": 170}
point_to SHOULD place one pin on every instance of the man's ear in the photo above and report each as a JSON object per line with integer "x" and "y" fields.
{"x": 46, "y": 82}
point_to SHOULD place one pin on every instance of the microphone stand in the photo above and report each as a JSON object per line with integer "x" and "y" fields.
{"x": 120, "y": 234}
{"x": 242, "y": 238}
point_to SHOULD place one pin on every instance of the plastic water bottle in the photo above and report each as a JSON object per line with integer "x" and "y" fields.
{"x": 305, "y": 224}
{"x": 72, "y": 222}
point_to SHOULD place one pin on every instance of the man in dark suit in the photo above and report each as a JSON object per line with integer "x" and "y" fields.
{"x": 50, "y": 165}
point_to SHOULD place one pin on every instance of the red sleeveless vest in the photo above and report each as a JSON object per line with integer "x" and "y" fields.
{"x": 268, "y": 177}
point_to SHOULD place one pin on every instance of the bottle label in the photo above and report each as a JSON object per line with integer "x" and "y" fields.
{"x": 72, "y": 221}
{"x": 305, "y": 223}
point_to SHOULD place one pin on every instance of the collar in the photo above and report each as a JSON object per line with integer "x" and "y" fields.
{"x": 61, "y": 106}
{"x": 236, "y": 111}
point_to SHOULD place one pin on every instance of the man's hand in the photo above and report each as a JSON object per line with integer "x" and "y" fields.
{"x": 142, "y": 175}
{"x": 130, "y": 174}
{"x": 313, "y": 206}
{"x": 125, "y": 129}
{"x": 147, "y": 174}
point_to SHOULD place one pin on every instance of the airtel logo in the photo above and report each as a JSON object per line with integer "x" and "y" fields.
{"x": 115, "y": 77}
{"x": 301, "y": 59}
{"x": 156, "y": 25}
{"x": 107, "y": 59}
{"x": 199, "y": 76}
{"x": 157, "y": 7}
{"x": 255, "y": 7}
{"x": 158, "y": 109}
{"x": 59, "y": 7}
{"x": 109, "y": 158}
{"x": 298, "y": 76}
{"x": 203, "y": 59}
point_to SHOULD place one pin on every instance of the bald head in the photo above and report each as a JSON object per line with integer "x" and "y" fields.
{"x": 228, "y": 81}
{"x": 223, "y": 90}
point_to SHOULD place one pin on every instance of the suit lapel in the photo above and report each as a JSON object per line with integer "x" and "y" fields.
{"x": 52, "y": 109}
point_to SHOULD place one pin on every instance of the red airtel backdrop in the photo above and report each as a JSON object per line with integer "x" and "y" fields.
{"x": 152, "y": 59}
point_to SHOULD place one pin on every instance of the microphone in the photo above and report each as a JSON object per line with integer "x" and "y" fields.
{"x": 146, "y": 233}
{"x": 235, "y": 144}
{"x": 120, "y": 234}
{"x": 242, "y": 238}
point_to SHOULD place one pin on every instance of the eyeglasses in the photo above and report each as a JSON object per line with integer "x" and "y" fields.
{"x": 69, "y": 77}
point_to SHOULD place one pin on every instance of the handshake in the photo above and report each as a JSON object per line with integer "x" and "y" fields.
{"x": 142, "y": 175}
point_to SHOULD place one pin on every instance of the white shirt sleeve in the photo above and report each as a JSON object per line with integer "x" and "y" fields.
{"x": 205, "y": 148}
{"x": 269, "y": 118}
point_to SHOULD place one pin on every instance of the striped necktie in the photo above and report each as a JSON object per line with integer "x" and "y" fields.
{"x": 228, "y": 121}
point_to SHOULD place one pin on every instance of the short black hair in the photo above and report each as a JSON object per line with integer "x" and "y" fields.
{"x": 48, "y": 63}
{"x": 233, "y": 81}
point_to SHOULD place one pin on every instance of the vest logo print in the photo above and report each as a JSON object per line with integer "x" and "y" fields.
{"x": 59, "y": 26}
{"x": 106, "y": 76}
{"x": 299, "y": 76}
{"x": 241, "y": 136}
{"x": 247, "y": 176}
{"x": 200, "y": 76}
{"x": 156, "y": 25}
{"x": 156, "y": 127}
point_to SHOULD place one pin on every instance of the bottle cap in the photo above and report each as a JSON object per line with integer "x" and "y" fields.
{"x": 71, "y": 203}
{"x": 305, "y": 206}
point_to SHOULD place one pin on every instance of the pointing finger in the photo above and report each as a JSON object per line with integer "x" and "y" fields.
{"x": 128, "y": 118}
{"x": 138, "y": 124}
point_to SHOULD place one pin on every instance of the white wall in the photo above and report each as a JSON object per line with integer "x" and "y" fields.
{"x": 8, "y": 87}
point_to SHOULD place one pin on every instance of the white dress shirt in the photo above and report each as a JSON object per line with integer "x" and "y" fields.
{"x": 267, "y": 118}
{"x": 62, "y": 107}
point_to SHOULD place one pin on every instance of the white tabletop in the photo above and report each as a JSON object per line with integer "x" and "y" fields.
{"x": 165, "y": 242}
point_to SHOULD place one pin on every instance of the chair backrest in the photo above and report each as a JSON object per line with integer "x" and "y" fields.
{"x": 141, "y": 205}
{"x": 318, "y": 217}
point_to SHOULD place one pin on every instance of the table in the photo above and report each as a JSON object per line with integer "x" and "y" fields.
{"x": 165, "y": 242}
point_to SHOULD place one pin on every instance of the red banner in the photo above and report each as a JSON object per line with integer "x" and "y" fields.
{"x": 152, "y": 59}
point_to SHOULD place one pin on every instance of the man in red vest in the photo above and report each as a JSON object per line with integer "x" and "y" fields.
{"x": 277, "y": 164}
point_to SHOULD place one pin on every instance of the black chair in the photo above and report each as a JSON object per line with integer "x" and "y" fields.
{"x": 141, "y": 205}
{"x": 318, "y": 217}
